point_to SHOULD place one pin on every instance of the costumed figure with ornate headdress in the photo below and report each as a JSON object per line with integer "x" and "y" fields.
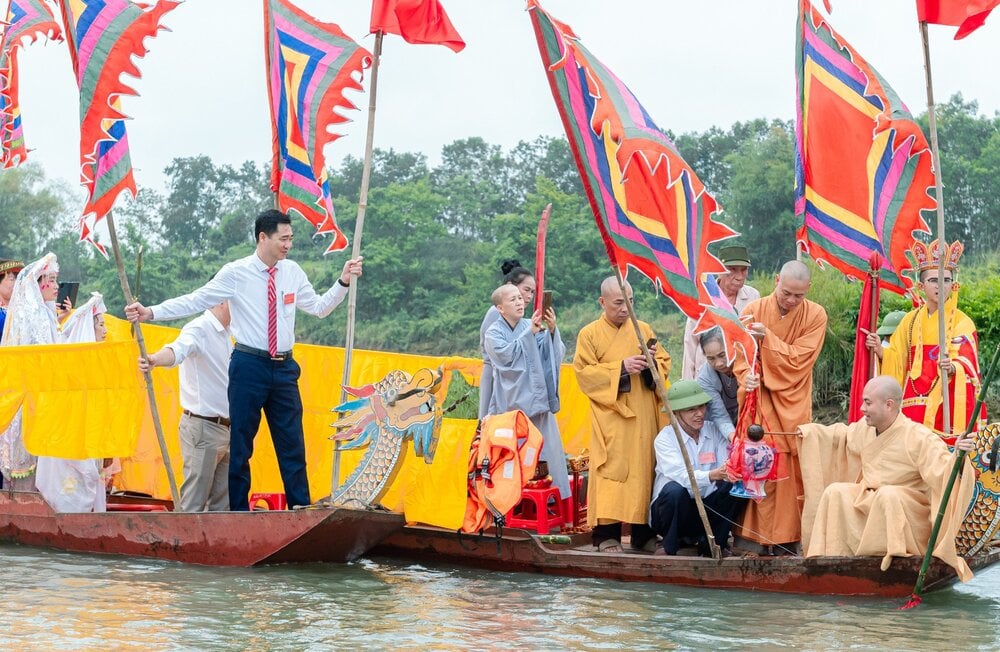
{"x": 76, "y": 485}
{"x": 31, "y": 319}
{"x": 914, "y": 354}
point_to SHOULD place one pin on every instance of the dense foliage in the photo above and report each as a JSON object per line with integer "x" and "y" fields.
{"x": 434, "y": 236}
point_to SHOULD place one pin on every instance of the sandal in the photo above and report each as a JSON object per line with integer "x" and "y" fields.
{"x": 649, "y": 546}
{"x": 610, "y": 545}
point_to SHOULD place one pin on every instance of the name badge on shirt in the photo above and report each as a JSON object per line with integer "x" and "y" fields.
{"x": 289, "y": 298}
{"x": 706, "y": 457}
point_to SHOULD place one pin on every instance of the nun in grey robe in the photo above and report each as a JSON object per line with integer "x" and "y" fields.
{"x": 525, "y": 376}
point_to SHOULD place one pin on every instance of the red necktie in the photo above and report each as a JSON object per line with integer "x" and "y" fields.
{"x": 272, "y": 312}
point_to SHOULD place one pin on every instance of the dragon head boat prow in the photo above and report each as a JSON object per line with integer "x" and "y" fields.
{"x": 381, "y": 416}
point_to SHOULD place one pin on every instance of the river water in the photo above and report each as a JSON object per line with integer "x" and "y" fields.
{"x": 62, "y": 601}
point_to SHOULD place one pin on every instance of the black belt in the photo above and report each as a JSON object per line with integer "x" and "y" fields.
{"x": 222, "y": 421}
{"x": 280, "y": 356}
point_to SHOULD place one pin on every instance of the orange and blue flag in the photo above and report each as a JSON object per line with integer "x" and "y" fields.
{"x": 653, "y": 212}
{"x": 103, "y": 38}
{"x": 25, "y": 19}
{"x": 863, "y": 167}
{"x": 309, "y": 66}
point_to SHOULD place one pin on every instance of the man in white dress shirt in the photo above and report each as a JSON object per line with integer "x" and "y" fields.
{"x": 263, "y": 289}
{"x": 737, "y": 293}
{"x": 202, "y": 350}
{"x": 673, "y": 513}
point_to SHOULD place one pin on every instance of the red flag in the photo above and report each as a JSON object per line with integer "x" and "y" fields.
{"x": 417, "y": 21}
{"x": 967, "y": 15}
{"x": 867, "y": 321}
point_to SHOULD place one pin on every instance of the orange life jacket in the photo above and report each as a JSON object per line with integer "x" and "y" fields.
{"x": 502, "y": 459}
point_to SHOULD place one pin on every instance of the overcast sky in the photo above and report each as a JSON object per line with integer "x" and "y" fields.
{"x": 692, "y": 63}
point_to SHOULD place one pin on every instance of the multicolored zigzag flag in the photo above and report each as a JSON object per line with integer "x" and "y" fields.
{"x": 653, "y": 212}
{"x": 25, "y": 19}
{"x": 103, "y": 37}
{"x": 309, "y": 66}
{"x": 863, "y": 167}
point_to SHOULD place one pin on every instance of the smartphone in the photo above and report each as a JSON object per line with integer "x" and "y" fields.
{"x": 68, "y": 289}
{"x": 546, "y": 301}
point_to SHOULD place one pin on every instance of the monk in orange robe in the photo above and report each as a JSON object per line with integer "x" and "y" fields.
{"x": 790, "y": 331}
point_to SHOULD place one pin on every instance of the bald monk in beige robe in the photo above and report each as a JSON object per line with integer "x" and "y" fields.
{"x": 790, "y": 331}
{"x": 625, "y": 416}
{"x": 870, "y": 487}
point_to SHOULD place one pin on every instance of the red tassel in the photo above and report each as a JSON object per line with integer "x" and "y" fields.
{"x": 914, "y": 601}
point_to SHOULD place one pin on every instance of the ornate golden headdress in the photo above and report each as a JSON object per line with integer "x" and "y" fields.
{"x": 929, "y": 256}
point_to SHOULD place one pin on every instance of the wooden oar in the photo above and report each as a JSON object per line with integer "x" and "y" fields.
{"x": 915, "y": 598}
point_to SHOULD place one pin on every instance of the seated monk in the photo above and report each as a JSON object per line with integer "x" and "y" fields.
{"x": 874, "y": 487}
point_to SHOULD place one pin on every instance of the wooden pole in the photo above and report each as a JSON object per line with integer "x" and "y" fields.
{"x": 352, "y": 296}
{"x": 674, "y": 425}
{"x": 942, "y": 244}
{"x": 150, "y": 394}
{"x": 873, "y": 324}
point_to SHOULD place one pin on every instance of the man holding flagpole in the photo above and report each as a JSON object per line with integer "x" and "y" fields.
{"x": 264, "y": 289}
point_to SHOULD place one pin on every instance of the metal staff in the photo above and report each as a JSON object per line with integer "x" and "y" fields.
{"x": 662, "y": 391}
{"x": 150, "y": 394}
{"x": 915, "y": 598}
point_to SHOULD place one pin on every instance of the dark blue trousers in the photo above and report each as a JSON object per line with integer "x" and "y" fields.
{"x": 674, "y": 515}
{"x": 257, "y": 384}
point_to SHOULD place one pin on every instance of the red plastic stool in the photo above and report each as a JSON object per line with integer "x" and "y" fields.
{"x": 577, "y": 485}
{"x": 273, "y": 501}
{"x": 534, "y": 512}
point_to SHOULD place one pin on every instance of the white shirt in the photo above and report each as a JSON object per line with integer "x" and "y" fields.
{"x": 708, "y": 453}
{"x": 244, "y": 283}
{"x": 204, "y": 347}
{"x": 694, "y": 357}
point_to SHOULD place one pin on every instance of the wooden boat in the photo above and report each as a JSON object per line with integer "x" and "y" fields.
{"x": 322, "y": 534}
{"x": 522, "y": 551}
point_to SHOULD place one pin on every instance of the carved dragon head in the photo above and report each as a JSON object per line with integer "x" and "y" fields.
{"x": 399, "y": 405}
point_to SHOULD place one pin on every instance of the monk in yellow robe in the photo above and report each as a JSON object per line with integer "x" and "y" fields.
{"x": 625, "y": 416}
{"x": 913, "y": 353}
{"x": 790, "y": 331}
{"x": 874, "y": 487}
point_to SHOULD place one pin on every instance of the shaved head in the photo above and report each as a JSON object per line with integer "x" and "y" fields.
{"x": 881, "y": 402}
{"x": 886, "y": 388}
{"x": 794, "y": 270}
{"x": 613, "y": 302}
{"x": 791, "y": 286}
{"x": 611, "y": 288}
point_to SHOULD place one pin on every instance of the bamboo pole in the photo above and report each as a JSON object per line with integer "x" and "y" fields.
{"x": 674, "y": 425}
{"x": 150, "y": 394}
{"x": 942, "y": 243}
{"x": 352, "y": 297}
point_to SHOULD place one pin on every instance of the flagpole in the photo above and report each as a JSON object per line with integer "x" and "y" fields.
{"x": 942, "y": 244}
{"x": 674, "y": 426}
{"x": 150, "y": 393}
{"x": 352, "y": 297}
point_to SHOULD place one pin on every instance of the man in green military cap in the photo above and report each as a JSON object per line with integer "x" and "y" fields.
{"x": 673, "y": 514}
{"x": 737, "y": 293}
{"x": 889, "y": 325}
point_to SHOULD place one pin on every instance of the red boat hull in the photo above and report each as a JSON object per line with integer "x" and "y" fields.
{"x": 330, "y": 534}
{"x": 524, "y": 552}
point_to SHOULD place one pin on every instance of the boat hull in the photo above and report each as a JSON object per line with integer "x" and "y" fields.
{"x": 523, "y": 552}
{"x": 328, "y": 534}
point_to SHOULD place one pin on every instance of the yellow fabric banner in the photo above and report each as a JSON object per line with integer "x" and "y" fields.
{"x": 80, "y": 401}
{"x": 88, "y": 400}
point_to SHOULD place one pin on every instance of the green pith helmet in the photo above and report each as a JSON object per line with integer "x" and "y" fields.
{"x": 890, "y": 322}
{"x": 686, "y": 394}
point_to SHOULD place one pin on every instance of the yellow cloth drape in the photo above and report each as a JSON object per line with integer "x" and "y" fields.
{"x": 88, "y": 401}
